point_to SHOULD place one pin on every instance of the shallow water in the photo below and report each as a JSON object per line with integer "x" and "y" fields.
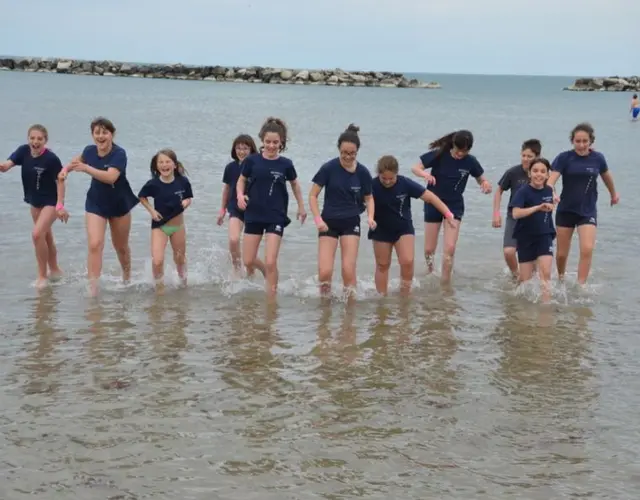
{"x": 211, "y": 392}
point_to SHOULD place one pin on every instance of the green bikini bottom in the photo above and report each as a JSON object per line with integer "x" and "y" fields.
{"x": 170, "y": 230}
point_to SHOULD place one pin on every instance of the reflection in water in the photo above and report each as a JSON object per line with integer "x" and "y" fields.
{"x": 40, "y": 365}
{"x": 544, "y": 376}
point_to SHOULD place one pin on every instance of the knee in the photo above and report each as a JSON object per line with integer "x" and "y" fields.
{"x": 38, "y": 236}
{"x": 509, "y": 253}
{"x": 271, "y": 266}
{"x": 449, "y": 250}
{"x": 234, "y": 241}
{"x": 382, "y": 267}
{"x": 586, "y": 250}
{"x": 96, "y": 246}
{"x": 406, "y": 265}
{"x": 248, "y": 261}
{"x": 122, "y": 250}
{"x": 349, "y": 273}
{"x": 157, "y": 262}
{"x": 179, "y": 257}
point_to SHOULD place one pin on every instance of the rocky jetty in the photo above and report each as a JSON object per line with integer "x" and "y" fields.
{"x": 253, "y": 74}
{"x": 608, "y": 84}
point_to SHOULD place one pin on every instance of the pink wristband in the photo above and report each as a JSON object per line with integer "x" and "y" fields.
{"x": 317, "y": 219}
{"x": 448, "y": 215}
{"x": 496, "y": 213}
{"x": 59, "y": 206}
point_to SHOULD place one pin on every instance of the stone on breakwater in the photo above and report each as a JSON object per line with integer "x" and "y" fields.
{"x": 254, "y": 74}
{"x": 608, "y": 84}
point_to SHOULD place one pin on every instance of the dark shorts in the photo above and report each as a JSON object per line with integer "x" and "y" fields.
{"x": 389, "y": 235}
{"x": 529, "y": 251}
{"x": 342, "y": 227}
{"x": 509, "y": 226}
{"x": 571, "y": 220}
{"x": 260, "y": 228}
{"x": 236, "y": 213}
{"x": 432, "y": 215}
{"x": 111, "y": 211}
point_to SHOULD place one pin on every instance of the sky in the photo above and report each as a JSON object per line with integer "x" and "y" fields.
{"x": 528, "y": 37}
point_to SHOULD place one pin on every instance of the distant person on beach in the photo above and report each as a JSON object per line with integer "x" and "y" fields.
{"x": 512, "y": 180}
{"x": 577, "y": 208}
{"x": 109, "y": 199}
{"x": 242, "y": 146}
{"x": 394, "y": 225}
{"x": 347, "y": 194}
{"x": 45, "y": 196}
{"x": 172, "y": 195}
{"x": 635, "y": 107}
{"x": 261, "y": 192}
{"x": 534, "y": 233}
{"x": 451, "y": 164}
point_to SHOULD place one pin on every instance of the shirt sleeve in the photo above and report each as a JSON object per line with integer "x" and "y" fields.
{"x": 55, "y": 164}
{"x": 188, "y": 191}
{"x": 505, "y": 181}
{"x": 226, "y": 176}
{"x": 366, "y": 181}
{"x": 147, "y": 190}
{"x": 604, "y": 167}
{"x": 322, "y": 176}
{"x": 118, "y": 160}
{"x": 290, "y": 172}
{"x": 559, "y": 163}
{"x": 247, "y": 167}
{"x": 476, "y": 169}
{"x": 428, "y": 158}
{"x": 414, "y": 189}
{"x": 17, "y": 157}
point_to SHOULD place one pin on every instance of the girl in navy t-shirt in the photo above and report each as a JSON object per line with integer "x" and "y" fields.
{"x": 347, "y": 193}
{"x": 451, "y": 165}
{"x": 394, "y": 223}
{"x": 44, "y": 194}
{"x": 109, "y": 199}
{"x": 172, "y": 194}
{"x": 532, "y": 208}
{"x": 579, "y": 168}
{"x": 261, "y": 193}
{"x": 242, "y": 147}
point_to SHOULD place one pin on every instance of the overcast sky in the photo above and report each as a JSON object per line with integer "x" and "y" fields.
{"x": 548, "y": 37}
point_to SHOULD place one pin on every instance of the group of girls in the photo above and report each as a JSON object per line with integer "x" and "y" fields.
{"x": 256, "y": 199}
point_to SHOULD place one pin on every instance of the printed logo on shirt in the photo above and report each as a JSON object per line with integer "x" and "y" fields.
{"x": 180, "y": 193}
{"x": 402, "y": 198}
{"x": 463, "y": 175}
{"x": 39, "y": 171}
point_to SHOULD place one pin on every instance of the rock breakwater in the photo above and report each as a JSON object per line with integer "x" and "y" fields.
{"x": 608, "y": 84}
{"x": 253, "y": 74}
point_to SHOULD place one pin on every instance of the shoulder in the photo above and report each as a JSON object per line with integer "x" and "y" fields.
{"x": 564, "y": 156}
{"x": 361, "y": 169}
{"x": 331, "y": 164}
{"x": 22, "y": 150}
{"x": 89, "y": 151}
{"x": 231, "y": 165}
{"x": 119, "y": 150}
{"x": 285, "y": 161}
{"x": 376, "y": 184}
{"x": 410, "y": 183}
{"x": 598, "y": 156}
{"x": 52, "y": 157}
{"x": 471, "y": 160}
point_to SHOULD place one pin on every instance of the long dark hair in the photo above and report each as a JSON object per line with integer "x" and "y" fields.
{"x": 461, "y": 139}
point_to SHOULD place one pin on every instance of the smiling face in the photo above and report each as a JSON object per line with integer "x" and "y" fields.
{"x": 348, "y": 153}
{"x": 166, "y": 166}
{"x": 102, "y": 137}
{"x": 242, "y": 151}
{"x": 581, "y": 142}
{"x": 538, "y": 173}
{"x": 37, "y": 140}
{"x": 271, "y": 144}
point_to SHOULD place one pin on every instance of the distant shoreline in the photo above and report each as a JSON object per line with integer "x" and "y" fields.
{"x": 606, "y": 84}
{"x": 235, "y": 74}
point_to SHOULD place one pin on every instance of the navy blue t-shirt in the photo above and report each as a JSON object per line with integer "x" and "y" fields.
{"x": 110, "y": 199}
{"x": 344, "y": 191}
{"x": 579, "y": 181}
{"x": 39, "y": 176}
{"x": 512, "y": 180}
{"x": 393, "y": 204}
{"x": 539, "y": 223}
{"x": 451, "y": 176}
{"x": 267, "y": 189}
{"x": 230, "y": 177}
{"x": 167, "y": 197}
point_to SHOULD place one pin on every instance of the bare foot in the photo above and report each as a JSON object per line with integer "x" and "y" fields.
{"x": 93, "y": 288}
{"x": 41, "y": 283}
{"x": 56, "y": 274}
